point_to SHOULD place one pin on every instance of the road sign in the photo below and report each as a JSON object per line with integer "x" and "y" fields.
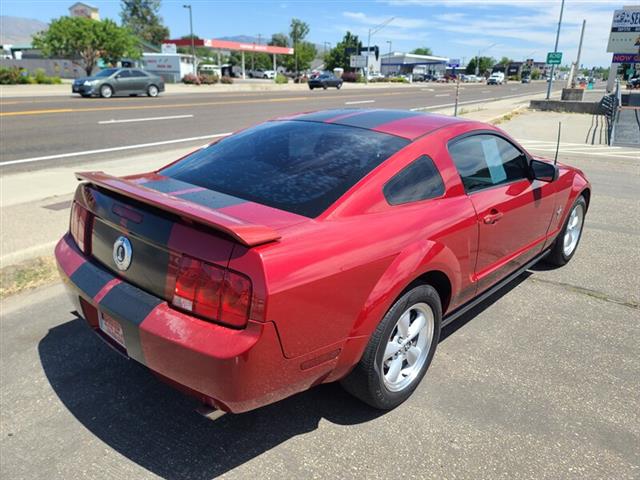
{"x": 554, "y": 58}
{"x": 530, "y": 62}
{"x": 625, "y": 30}
{"x": 453, "y": 63}
{"x": 357, "y": 61}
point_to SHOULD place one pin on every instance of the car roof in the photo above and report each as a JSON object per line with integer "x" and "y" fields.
{"x": 402, "y": 123}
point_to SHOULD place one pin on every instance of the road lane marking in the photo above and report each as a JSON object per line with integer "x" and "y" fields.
{"x": 359, "y": 101}
{"x": 567, "y": 151}
{"x": 443, "y": 95}
{"x": 148, "y": 119}
{"x": 484, "y": 91}
{"x": 428, "y": 89}
{"x": 112, "y": 149}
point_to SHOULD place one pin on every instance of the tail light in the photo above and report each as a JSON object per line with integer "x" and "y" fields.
{"x": 212, "y": 292}
{"x": 80, "y": 227}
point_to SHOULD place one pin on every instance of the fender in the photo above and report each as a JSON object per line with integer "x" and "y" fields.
{"x": 572, "y": 184}
{"x": 417, "y": 259}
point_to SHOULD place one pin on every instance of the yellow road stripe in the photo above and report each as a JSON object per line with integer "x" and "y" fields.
{"x": 181, "y": 105}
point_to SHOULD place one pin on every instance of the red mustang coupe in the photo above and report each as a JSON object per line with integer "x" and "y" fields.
{"x": 318, "y": 247}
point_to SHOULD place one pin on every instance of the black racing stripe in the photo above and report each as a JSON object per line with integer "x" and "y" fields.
{"x": 90, "y": 279}
{"x": 324, "y": 115}
{"x": 211, "y": 199}
{"x": 149, "y": 263}
{"x": 153, "y": 227}
{"x": 376, "y": 118}
{"x": 130, "y": 306}
{"x": 167, "y": 185}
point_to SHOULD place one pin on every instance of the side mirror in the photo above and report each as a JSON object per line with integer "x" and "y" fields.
{"x": 118, "y": 75}
{"x": 543, "y": 171}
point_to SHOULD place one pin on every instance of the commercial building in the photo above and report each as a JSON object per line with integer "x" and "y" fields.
{"x": 398, "y": 63}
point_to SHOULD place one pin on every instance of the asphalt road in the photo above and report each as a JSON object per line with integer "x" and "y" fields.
{"x": 540, "y": 381}
{"x": 59, "y": 127}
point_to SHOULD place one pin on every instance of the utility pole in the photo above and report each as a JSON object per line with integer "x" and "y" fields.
{"x": 478, "y": 57}
{"x": 193, "y": 40}
{"x": 572, "y": 75}
{"x": 373, "y": 31}
{"x": 555, "y": 49}
{"x": 388, "y": 58}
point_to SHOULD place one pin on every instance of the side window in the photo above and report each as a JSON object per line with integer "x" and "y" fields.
{"x": 487, "y": 160}
{"x": 138, "y": 73}
{"x": 419, "y": 180}
{"x": 124, "y": 74}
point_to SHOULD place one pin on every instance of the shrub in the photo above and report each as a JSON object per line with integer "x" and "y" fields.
{"x": 350, "y": 76}
{"x": 20, "y": 76}
{"x": 226, "y": 80}
{"x": 191, "y": 79}
{"x": 209, "y": 79}
{"x": 280, "y": 78}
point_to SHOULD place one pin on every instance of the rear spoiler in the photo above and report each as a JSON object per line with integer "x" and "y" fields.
{"x": 248, "y": 234}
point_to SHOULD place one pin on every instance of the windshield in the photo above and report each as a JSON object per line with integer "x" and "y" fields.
{"x": 106, "y": 72}
{"x": 298, "y": 166}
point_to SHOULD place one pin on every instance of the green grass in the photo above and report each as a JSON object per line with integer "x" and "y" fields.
{"x": 27, "y": 275}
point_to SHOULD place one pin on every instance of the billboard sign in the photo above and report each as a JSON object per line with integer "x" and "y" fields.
{"x": 357, "y": 61}
{"x": 453, "y": 63}
{"x": 169, "y": 48}
{"x": 626, "y": 58}
{"x": 625, "y": 31}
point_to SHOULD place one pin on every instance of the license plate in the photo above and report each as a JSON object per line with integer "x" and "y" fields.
{"x": 112, "y": 328}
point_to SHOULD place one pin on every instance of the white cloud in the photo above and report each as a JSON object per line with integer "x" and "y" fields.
{"x": 397, "y": 22}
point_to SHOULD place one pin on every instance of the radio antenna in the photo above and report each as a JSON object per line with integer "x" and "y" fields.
{"x": 555, "y": 160}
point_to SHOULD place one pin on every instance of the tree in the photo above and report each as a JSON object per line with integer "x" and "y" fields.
{"x": 279, "y": 40}
{"x": 485, "y": 63}
{"x": 505, "y": 61}
{"x": 422, "y": 51}
{"x": 298, "y": 31}
{"x": 84, "y": 41}
{"x": 338, "y": 57}
{"x": 141, "y": 16}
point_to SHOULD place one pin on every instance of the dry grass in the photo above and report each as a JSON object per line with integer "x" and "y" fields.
{"x": 27, "y": 275}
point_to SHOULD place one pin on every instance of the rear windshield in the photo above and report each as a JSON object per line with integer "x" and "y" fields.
{"x": 297, "y": 166}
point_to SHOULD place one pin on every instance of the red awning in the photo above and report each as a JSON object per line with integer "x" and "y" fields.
{"x": 227, "y": 45}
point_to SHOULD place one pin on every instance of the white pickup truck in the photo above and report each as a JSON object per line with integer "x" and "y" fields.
{"x": 496, "y": 78}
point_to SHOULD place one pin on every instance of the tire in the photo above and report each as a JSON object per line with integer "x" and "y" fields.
{"x": 106, "y": 91}
{"x": 310, "y": 87}
{"x": 372, "y": 379}
{"x": 324, "y": 86}
{"x": 338, "y": 86}
{"x": 152, "y": 91}
{"x": 561, "y": 251}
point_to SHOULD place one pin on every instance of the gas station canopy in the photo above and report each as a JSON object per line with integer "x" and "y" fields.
{"x": 227, "y": 45}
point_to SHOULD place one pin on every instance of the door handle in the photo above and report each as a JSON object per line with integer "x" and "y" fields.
{"x": 492, "y": 217}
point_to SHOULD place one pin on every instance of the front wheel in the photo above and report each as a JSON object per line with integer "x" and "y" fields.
{"x": 310, "y": 87}
{"x": 399, "y": 351}
{"x": 106, "y": 91}
{"x": 566, "y": 243}
{"x": 152, "y": 91}
{"x": 324, "y": 86}
{"x": 338, "y": 86}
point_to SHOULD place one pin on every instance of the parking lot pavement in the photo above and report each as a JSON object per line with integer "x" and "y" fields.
{"x": 540, "y": 381}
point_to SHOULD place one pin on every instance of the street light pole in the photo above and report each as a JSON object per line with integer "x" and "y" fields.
{"x": 478, "y": 57}
{"x": 389, "y": 58}
{"x": 555, "y": 49}
{"x": 373, "y": 31}
{"x": 193, "y": 41}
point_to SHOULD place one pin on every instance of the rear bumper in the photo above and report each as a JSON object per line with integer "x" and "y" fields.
{"x": 234, "y": 370}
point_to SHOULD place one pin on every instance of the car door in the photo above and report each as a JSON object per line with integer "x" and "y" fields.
{"x": 123, "y": 81}
{"x": 139, "y": 81}
{"x": 513, "y": 211}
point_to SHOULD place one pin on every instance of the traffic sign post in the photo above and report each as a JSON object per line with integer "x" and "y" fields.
{"x": 555, "y": 50}
{"x": 554, "y": 58}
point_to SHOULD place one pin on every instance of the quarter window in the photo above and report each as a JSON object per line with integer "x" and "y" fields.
{"x": 418, "y": 181}
{"x": 487, "y": 160}
{"x": 138, "y": 73}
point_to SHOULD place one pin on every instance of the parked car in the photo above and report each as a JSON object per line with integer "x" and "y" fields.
{"x": 319, "y": 247}
{"x": 470, "y": 79}
{"x": 119, "y": 81}
{"x": 525, "y": 79}
{"x": 324, "y": 81}
{"x": 260, "y": 73}
{"x": 496, "y": 78}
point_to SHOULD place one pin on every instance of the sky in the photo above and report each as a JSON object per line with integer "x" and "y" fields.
{"x": 518, "y": 29}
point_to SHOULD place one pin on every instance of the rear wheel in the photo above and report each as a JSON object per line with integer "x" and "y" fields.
{"x": 566, "y": 243}
{"x": 399, "y": 351}
{"x": 338, "y": 86}
{"x": 106, "y": 91}
{"x": 310, "y": 87}
{"x": 152, "y": 91}
{"x": 324, "y": 86}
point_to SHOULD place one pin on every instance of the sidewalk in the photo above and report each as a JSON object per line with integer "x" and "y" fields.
{"x": 33, "y": 218}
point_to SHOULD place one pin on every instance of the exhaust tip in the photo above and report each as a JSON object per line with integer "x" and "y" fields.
{"x": 210, "y": 412}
